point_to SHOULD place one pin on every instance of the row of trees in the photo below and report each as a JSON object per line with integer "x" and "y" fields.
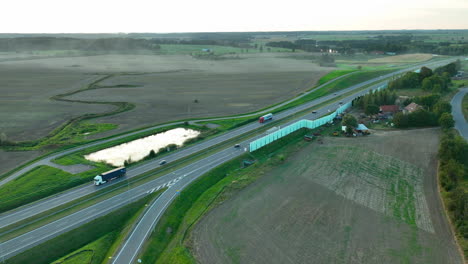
{"x": 52, "y": 43}
{"x": 370, "y": 102}
{"x": 437, "y": 81}
{"x": 453, "y": 175}
{"x": 396, "y": 43}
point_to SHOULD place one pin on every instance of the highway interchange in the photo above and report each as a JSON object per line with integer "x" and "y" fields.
{"x": 176, "y": 181}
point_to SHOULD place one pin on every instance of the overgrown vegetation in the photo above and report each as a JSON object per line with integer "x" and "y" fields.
{"x": 453, "y": 177}
{"x": 77, "y": 238}
{"x": 193, "y": 202}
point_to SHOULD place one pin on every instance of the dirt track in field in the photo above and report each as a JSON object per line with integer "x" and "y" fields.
{"x": 351, "y": 200}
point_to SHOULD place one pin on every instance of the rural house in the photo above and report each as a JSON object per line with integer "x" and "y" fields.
{"x": 411, "y": 108}
{"x": 389, "y": 109}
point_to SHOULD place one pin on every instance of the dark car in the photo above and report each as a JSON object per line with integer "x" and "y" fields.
{"x": 314, "y": 112}
{"x": 237, "y": 146}
{"x": 162, "y": 162}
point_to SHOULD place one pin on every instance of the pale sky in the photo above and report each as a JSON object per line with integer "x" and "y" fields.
{"x": 111, "y": 16}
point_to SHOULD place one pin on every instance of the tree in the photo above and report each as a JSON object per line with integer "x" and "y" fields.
{"x": 152, "y": 154}
{"x": 349, "y": 120}
{"x": 371, "y": 109}
{"x": 349, "y": 130}
{"x": 401, "y": 120}
{"x": 442, "y": 107}
{"x": 424, "y": 73}
{"x": 426, "y": 85}
{"x": 446, "y": 121}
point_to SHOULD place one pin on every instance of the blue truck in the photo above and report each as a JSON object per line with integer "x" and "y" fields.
{"x": 109, "y": 175}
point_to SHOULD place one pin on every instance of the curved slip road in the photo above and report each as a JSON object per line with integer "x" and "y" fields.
{"x": 46, "y": 232}
{"x": 461, "y": 123}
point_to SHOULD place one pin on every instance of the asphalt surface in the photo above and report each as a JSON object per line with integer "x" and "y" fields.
{"x": 460, "y": 122}
{"x": 177, "y": 180}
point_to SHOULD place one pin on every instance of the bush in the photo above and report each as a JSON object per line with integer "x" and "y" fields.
{"x": 446, "y": 121}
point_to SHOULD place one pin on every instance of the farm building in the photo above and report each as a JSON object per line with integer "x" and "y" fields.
{"x": 411, "y": 108}
{"x": 389, "y": 109}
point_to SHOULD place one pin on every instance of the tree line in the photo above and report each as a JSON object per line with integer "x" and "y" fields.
{"x": 397, "y": 43}
{"x": 453, "y": 176}
{"x": 52, "y": 43}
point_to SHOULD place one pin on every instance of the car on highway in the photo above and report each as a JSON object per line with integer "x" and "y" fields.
{"x": 237, "y": 146}
{"x": 314, "y": 112}
{"x": 340, "y": 103}
{"x": 162, "y": 162}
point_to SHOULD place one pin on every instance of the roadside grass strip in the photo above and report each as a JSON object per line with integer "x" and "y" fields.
{"x": 75, "y": 241}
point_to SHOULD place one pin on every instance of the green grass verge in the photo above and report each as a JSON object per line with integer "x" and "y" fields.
{"x": 77, "y": 238}
{"x": 93, "y": 253}
{"x": 192, "y": 203}
{"x": 41, "y": 182}
{"x": 332, "y": 75}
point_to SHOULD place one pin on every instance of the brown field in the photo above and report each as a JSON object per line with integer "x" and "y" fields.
{"x": 167, "y": 92}
{"x": 12, "y": 159}
{"x": 407, "y": 58}
{"x": 225, "y": 87}
{"x": 351, "y": 200}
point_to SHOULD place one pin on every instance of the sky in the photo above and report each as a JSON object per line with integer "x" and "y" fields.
{"x": 112, "y": 16}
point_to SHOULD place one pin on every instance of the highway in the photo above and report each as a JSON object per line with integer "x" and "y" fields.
{"x": 460, "y": 122}
{"x": 177, "y": 179}
{"x": 27, "y": 211}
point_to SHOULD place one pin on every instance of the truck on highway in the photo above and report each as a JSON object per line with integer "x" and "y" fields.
{"x": 265, "y": 118}
{"x": 109, "y": 175}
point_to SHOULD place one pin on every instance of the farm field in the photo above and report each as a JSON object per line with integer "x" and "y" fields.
{"x": 374, "y": 61}
{"x": 351, "y": 200}
{"x": 181, "y": 87}
{"x": 30, "y": 84}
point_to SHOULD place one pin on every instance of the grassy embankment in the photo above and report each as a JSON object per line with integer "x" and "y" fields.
{"x": 90, "y": 243}
{"x": 211, "y": 189}
{"x": 41, "y": 182}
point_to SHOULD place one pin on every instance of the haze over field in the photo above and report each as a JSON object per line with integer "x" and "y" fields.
{"x": 54, "y": 16}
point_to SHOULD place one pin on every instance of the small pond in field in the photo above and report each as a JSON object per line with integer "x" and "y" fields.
{"x": 138, "y": 149}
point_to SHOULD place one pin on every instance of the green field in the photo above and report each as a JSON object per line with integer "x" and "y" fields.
{"x": 41, "y": 182}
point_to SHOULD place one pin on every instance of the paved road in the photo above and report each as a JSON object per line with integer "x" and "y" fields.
{"x": 460, "y": 122}
{"x": 184, "y": 176}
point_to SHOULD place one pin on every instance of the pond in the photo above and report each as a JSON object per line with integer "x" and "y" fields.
{"x": 138, "y": 149}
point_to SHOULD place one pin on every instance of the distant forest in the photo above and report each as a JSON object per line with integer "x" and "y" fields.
{"x": 395, "y": 44}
